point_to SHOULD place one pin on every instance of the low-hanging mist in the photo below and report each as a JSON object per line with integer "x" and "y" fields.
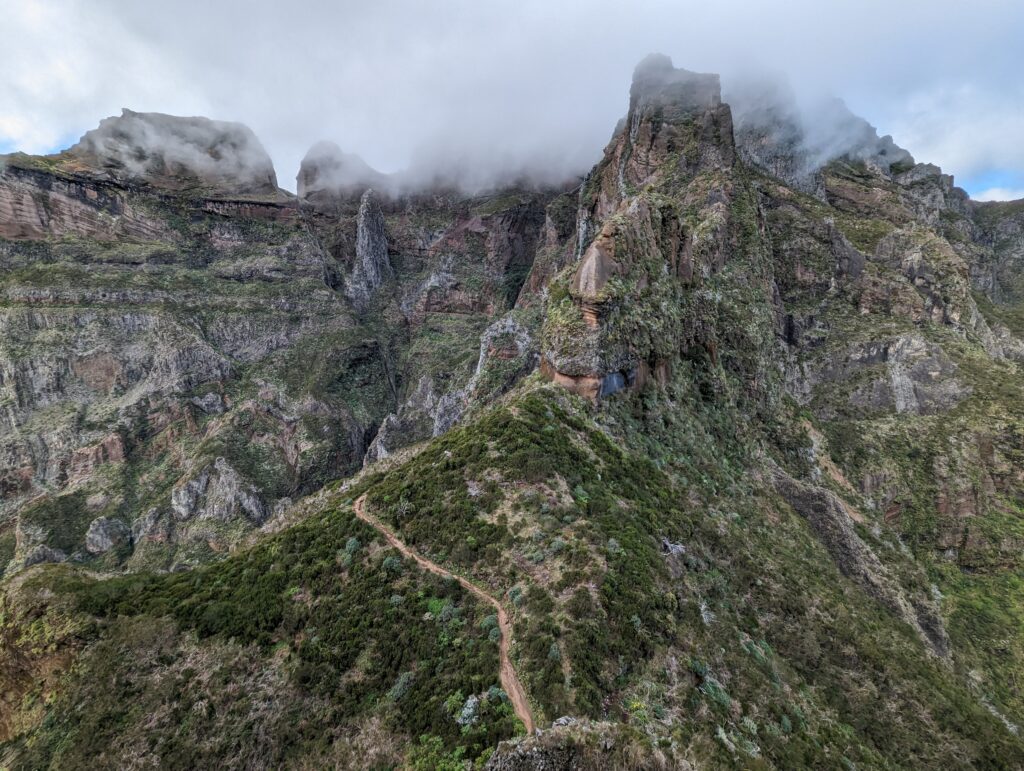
{"x": 790, "y": 136}
{"x": 502, "y": 85}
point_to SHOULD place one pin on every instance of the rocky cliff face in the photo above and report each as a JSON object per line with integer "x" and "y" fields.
{"x": 122, "y": 357}
{"x": 1000, "y": 227}
{"x": 187, "y": 349}
{"x": 758, "y": 506}
{"x": 665, "y": 201}
{"x": 842, "y": 276}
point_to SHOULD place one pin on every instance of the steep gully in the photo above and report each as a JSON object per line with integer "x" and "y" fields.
{"x": 509, "y": 678}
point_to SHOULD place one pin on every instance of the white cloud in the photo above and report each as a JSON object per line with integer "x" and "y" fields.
{"x": 966, "y": 128}
{"x": 499, "y": 82}
{"x": 999, "y": 194}
{"x": 66, "y": 64}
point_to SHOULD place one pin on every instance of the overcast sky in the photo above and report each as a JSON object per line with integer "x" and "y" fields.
{"x": 500, "y": 82}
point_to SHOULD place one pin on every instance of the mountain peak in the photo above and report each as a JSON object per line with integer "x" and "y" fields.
{"x": 328, "y": 170}
{"x": 794, "y": 140}
{"x": 174, "y": 152}
{"x": 656, "y": 82}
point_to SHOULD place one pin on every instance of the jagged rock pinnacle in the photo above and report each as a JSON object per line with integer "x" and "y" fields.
{"x": 372, "y": 265}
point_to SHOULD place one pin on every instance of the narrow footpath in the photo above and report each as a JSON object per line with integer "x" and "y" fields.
{"x": 509, "y": 678}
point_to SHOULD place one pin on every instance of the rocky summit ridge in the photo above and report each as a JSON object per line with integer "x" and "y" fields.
{"x": 730, "y": 429}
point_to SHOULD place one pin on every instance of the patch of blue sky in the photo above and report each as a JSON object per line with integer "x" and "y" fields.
{"x": 10, "y": 146}
{"x": 994, "y": 184}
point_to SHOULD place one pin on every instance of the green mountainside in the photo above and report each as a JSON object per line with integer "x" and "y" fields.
{"x": 733, "y": 434}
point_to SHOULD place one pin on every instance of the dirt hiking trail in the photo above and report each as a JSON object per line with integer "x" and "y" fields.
{"x": 509, "y": 678}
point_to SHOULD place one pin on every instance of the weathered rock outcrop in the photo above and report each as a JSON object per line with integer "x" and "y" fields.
{"x": 907, "y": 374}
{"x": 218, "y": 493}
{"x": 999, "y": 269}
{"x": 507, "y": 353}
{"x": 105, "y": 534}
{"x": 656, "y": 219}
{"x": 577, "y": 745}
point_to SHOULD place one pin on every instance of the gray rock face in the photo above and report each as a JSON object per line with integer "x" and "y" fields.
{"x": 105, "y": 534}
{"x": 185, "y": 498}
{"x": 413, "y": 421}
{"x": 372, "y": 266}
{"x": 906, "y": 374}
{"x": 43, "y": 553}
{"x": 921, "y": 377}
{"x": 536, "y": 759}
{"x": 1000, "y": 275}
{"x": 210, "y": 403}
{"x": 932, "y": 196}
{"x": 576, "y": 745}
{"x": 153, "y": 525}
{"x": 218, "y": 493}
{"x": 425, "y": 413}
{"x": 936, "y": 271}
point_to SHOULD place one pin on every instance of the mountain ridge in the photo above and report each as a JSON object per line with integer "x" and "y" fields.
{"x": 733, "y": 438}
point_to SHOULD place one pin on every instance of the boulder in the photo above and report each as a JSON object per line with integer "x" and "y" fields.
{"x": 106, "y": 533}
